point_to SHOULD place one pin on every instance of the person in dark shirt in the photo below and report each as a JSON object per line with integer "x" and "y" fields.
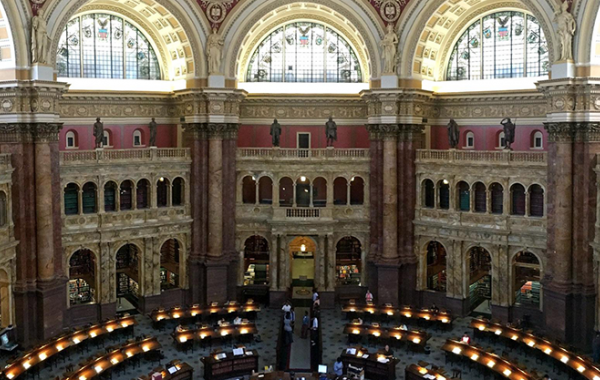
{"x": 387, "y": 351}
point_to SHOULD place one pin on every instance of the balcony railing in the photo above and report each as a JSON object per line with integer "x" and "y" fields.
{"x": 82, "y": 157}
{"x": 481, "y": 156}
{"x": 285, "y": 153}
{"x": 303, "y": 213}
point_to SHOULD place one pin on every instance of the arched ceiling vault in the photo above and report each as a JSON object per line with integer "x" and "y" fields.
{"x": 429, "y": 29}
{"x": 252, "y": 23}
{"x": 177, "y": 37}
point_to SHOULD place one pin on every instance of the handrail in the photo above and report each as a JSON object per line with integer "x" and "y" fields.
{"x": 76, "y": 157}
{"x": 302, "y": 153}
{"x": 502, "y": 156}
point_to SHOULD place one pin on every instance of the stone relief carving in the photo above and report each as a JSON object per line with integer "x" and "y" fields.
{"x": 39, "y": 38}
{"x": 565, "y": 28}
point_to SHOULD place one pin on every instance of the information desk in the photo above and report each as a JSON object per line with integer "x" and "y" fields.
{"x": 419, "y": 338}
{"x": 175, "y": 370}
{"x": 490, "y": 360}
{"x": 582, "y": 365}
{"x": 230, "y": 330}
{"x": 231, "y": 308}
{"x": 224, "y": 365}
{"x": 416, "y": 372}
{"x": 58, "y": 344}
{"x": 115, "y": 357}
{"x": 375, "y": 365}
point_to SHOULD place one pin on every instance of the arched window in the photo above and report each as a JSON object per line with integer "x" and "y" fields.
{"x": 125, "y": 194}
{"x": 464, "y": 196}
{"x": 110, "y": 196}
{"x": 303, "y": 192}
{"x": 162, "y": 192}
{"x": 3, "y": 209}
{"x": 348, "y": 261}
{"x": 518, "y": 199}
{"x": 137, "y": 138}
{"x": 444, "y": 194}
{"x": 357, "y": 191}
{"x": 286, "y": 192}
{"x": 536, "y": 201}
{"x": 436, "y": 267}
{"x": 106, "y": 138}
{"x": 470, "y": 140}
{"x": 501, "y": 140}
{"x": 142, "y": 194}
{"x": 501, "y": 45}
{"x": 527, "y": 279}
{"x": 71, "y": 139}
{"x": 480, "y": 197}
{"x": 256, "y": 261}
{"x": 537, "y": 141}
{"x": 105, "y": 46}
{"x": 89, "y": 198}
{"x": 320, "y": 192}
{"x": 71, "y": 198}
{"x": 304, "y": 52}
{"x": 265, "y": 190}
{"x": 177, "y": 192}
{"x": 249, "y": 190}
{"x": 340, "y": 191}
{"x": 169, "y": 264}
{"x": 497, "y": 198}
{"x": 82, "y": 277}
{"x": 428, "y": 194}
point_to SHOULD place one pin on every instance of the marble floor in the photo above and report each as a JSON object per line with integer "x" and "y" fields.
{"x": 334, "y": 341}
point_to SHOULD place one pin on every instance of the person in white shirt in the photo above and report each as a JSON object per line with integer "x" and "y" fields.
{"x": 237, "y": 321}
{"x": 403, "y": 327}
{"x": 315, "y": 296}
{"x": 287, "y": 307}
{"x": 315, "y": 324}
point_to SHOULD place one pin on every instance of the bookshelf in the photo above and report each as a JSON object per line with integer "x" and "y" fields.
{"x": 230, "y": 366}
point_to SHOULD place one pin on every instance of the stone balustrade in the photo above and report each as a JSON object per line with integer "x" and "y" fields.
{"x": 111, "y": 156}
{"x": 326, "y": 154}
{"x": 500, "y": 157}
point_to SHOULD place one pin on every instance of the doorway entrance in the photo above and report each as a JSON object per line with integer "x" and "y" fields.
{"x": 128, "y": 278}
{"x": 302, "y": 268}
{"x": 480, "y": 280}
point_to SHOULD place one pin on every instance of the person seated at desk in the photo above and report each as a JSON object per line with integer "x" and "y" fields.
{"x": 369, "y": 297}
{"x": 359, "y": 321}
{"x": 435, "y": 309}
{"x": 404, "y": 327}
{"x": 546, "y": 377}
{"x": 237, "y": 320}
{"x": 222, "y": 322}
{"x": 387, "y": 351}
{"x": 180, "y": 328}
{"x": 466, "y": 339}
{"x": 338, "y": 367}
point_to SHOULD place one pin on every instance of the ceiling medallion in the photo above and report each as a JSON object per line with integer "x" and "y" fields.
{"x": 390, "y": 10}
{"x": 216, "y": 12}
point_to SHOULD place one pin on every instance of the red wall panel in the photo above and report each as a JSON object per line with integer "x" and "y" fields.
{"x": 486, "y": 137}
{"x": 121, "y": 136}
{"x": 259, "y": 136}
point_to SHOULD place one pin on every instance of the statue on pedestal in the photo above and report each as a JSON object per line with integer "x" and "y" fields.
{"x": 331, "y": 131}
{"x": 99, "y": 132}
{"x": 275, "y": 132}
{"x": 509, "y": 132}
{"x": 453, "y": 134}
{"x": 39, "y": 38}
{"x": 214, "y": 52}
{"x": 389, "y": 46}
{"x": 152, "y": 127}
{"x": 565, "y": 28}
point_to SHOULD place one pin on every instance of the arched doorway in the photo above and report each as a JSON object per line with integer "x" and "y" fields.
{"x": 256, "y": 261}
{"x": 436, "y": 267}
{"x": 527, "y": 275}
{"x": 479, "y": 265}
{"x": 82, "y": 277}
{"x": 302, "y": 260}
{"x": 128, "y": 277}
{"x": 170, "y": 256}
{"x": 348, "y": 256}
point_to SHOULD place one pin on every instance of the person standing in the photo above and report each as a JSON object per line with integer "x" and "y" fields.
{"x": 305, "y": 325}
{"x": 466, "y": 339}
{"x": 287, "y": 307}
{"x": 338, "y": 367}
{"x": 596, "y": 348}
{"x": 369, "y": 296}
{"x": 287, "y": 327}
{"x": 315, "y": 295}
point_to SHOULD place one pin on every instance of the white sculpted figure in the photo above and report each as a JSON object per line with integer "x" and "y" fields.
{"x": 389, "y": 45}
{"x": 39, "y": 38}
{"x": 565, "y": 28}
{"x": 214, "y": 52}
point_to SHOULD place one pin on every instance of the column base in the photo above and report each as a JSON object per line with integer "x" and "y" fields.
{"x": 388, "y": 283}
{"x": 408, "y": 284}
{"x": 197, "y": 277}
{"x": 51, "y": 297}
{"x": 327, "y": 299}
{"x": 277, "y": 298}
{"x": 26, "y": 316}
{"x": 216, "y": 282}
{"x": 558, "y": 314}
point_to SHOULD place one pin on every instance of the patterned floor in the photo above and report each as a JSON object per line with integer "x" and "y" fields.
{"x": 332, "y": 322}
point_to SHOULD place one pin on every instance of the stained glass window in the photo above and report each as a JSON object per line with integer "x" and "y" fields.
{"x": 105, "y": 46}
{"x": 501, "y": 45}
{"x": 304, "y": 52}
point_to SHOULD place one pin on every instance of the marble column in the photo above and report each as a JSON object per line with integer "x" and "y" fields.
{"x": 331, "y": 277}
{"x": 390, "y": 196}
{"x": 215, "y": 190}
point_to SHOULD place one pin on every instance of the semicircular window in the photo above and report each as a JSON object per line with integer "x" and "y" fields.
{"x": 105, "y": 46}
{"x": 304, "y": 52}
{"x": 500, "y": 45}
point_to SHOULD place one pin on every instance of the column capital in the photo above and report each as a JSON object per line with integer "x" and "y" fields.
{"x": 195, "y": 130}
{"x": 46, "y": 132}
{"x": 560, "y": 132}
{"x": 587, "y": 132}
{"x": 383, "y": 131}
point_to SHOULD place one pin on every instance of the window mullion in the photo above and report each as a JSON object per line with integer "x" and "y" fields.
{"x": 81, "y": 47}
{"x": 481, "y": 55}
{"x": 284, "y": 58}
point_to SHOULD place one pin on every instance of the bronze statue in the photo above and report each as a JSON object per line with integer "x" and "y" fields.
{"x": 99, "y": 132}
{"x": 152, "y": 127}
{"x": 331, "y": 131}
{"x": 509, "y": 132}
{"x": 275, "y": 132}
{"x": 453, "y": 134}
